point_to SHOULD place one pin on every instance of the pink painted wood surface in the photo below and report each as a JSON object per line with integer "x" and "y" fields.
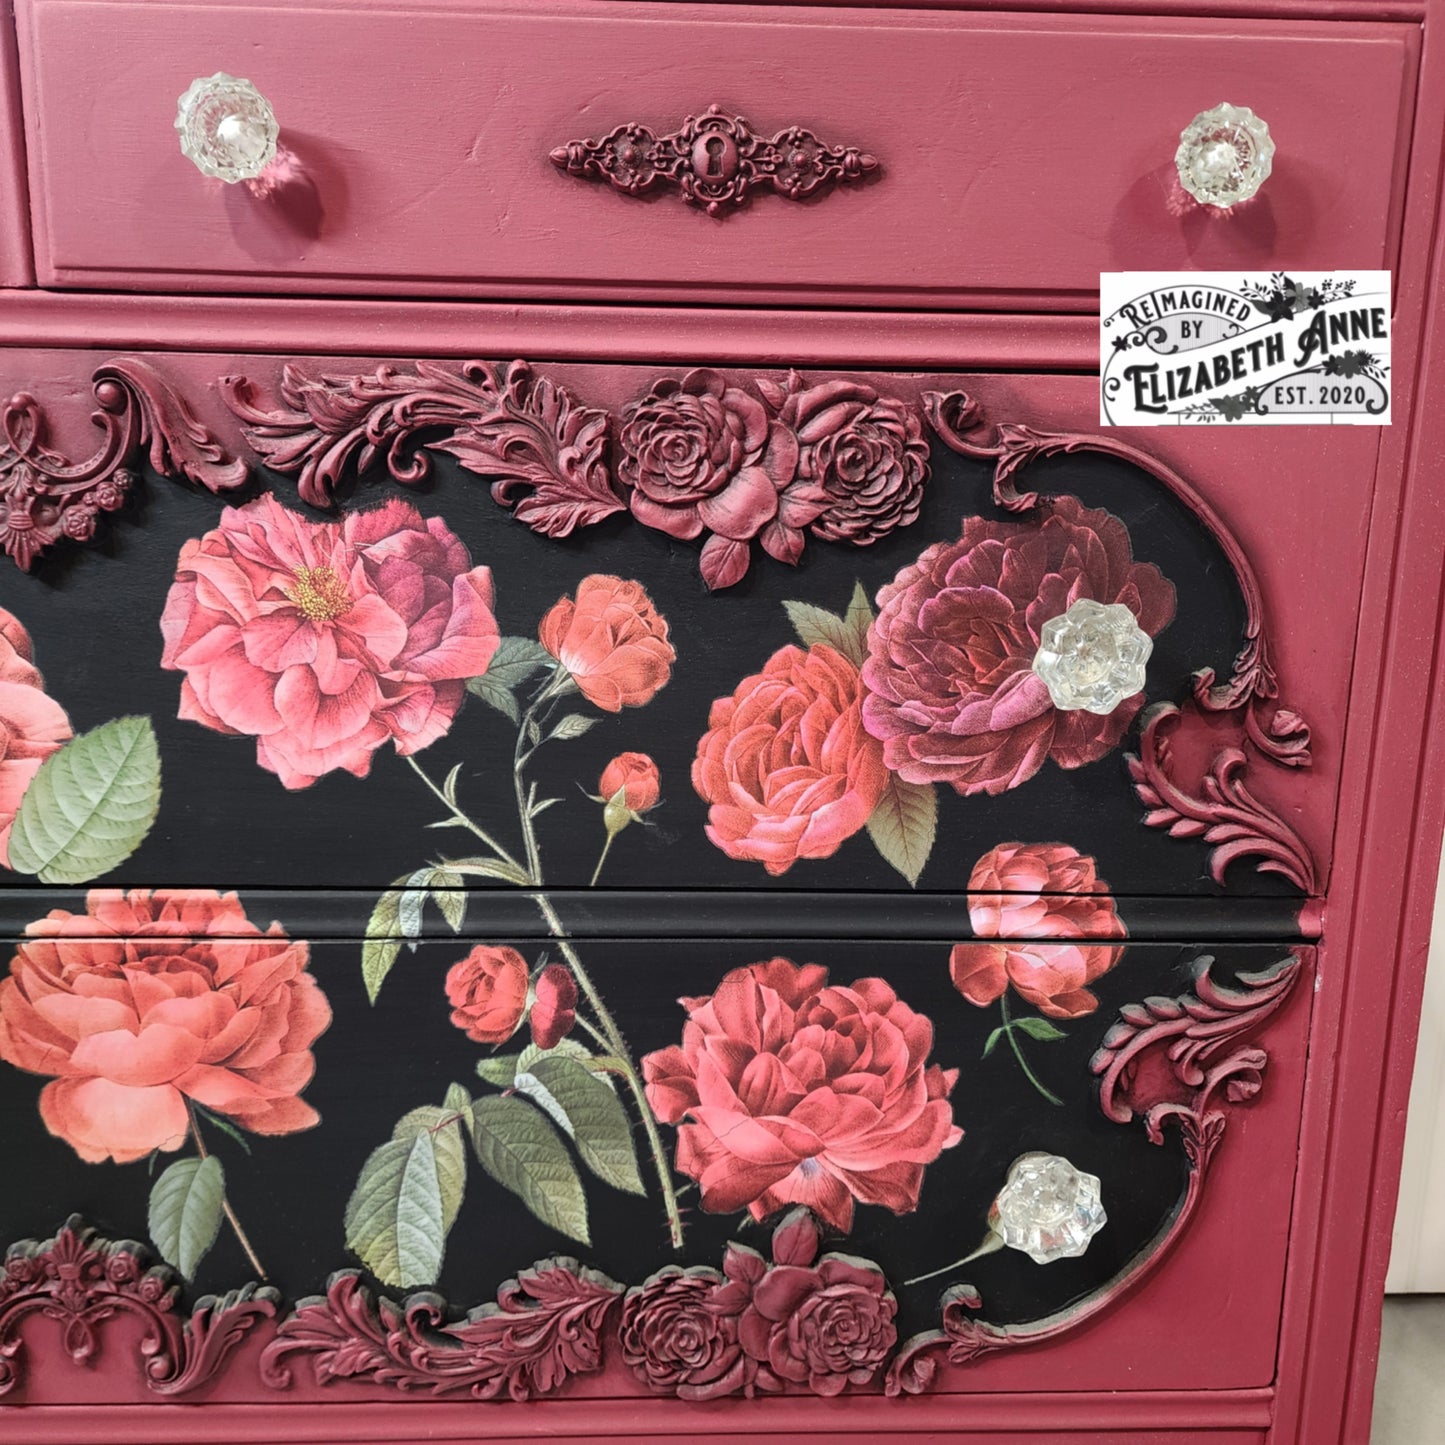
{"x": 1021, "y": 155}
{"x": 1391, "y": 816}
{"x": 15, "y": 267}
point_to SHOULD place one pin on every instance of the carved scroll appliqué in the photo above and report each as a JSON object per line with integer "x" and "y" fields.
{"x": 82, "y": 1282}
{"x": 714, "y": 161}
{"x": 45, "y": 498}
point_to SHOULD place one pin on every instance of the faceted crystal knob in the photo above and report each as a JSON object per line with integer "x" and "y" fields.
{"x": 1092, "y": 657}
{"x": 1047, "y": 1208}
{"x": 1225, "y": 155}
{"x": 227, "y": 128}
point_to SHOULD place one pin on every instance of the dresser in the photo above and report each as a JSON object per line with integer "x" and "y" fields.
{"x": 623, "y": 818}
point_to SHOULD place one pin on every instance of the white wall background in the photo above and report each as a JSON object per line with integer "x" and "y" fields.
{"x": 1417, "y": 1258}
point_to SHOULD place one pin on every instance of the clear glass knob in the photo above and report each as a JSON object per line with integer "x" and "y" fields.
{"x": 1092, "y": 657}
{"x": 1047, "y": 1208}
{"x": 1225, "y": 155}
{"x": 227, "y": 128}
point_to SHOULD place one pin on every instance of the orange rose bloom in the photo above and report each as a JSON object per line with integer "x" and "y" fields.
{"x": 157, "y": 999}
{"x": 488, "y": 993}
{"x": 635, "y": 776}
{"x": 612, "y": 640}
{"x": 786, "y": 764}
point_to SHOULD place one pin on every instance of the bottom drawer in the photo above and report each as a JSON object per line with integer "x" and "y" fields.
{"x": 697, "y": 1168}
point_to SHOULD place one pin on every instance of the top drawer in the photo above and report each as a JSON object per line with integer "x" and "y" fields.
{"x": 1019, "y": 156}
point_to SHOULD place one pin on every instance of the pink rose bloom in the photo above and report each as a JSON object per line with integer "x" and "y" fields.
{"x": 788, "y": 1091}
{"x": 786, "y": 764}
{"x": 952, "y": 692}
{"x": 702, "y": 456}
{"x": 322, "y": 640}
{"x": 154, "y": 1000}
{"x": 32, "y": 724}
{"x": 1036, "y": 891}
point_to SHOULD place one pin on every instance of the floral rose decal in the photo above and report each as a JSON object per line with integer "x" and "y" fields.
{"x": 862, "y": 461}
{"x": 324, "y": 640}
{"x": 632, "y": 781}
{"x": 952, "y": 693}
{"x": 786, "y": 764}
{"x": 488, "y": 993}
{"x": 159, "y": 1000}
{"x": 612, "y": 641}
{"x": 32, "y": 724}
{"x": 788, "y": 1091}
{"x": 554, "y": 1006}
{"x": 1028, "y": 893}
{"x": 762, "y": 1325}
{"x": 702, "y": 456}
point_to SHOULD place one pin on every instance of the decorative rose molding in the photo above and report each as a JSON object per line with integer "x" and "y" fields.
{"x": 82, "y": 1281}
{"x": 696, "y": 457}
{"x": 1225, "y": 813}
{"x": 1166, "y": 1060}
{"x": 44, "y": 497}
{"x": 714, "y": 161}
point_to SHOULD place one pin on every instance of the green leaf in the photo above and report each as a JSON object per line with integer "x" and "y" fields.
{"x": 498, "y": 1069}
{"x": 858, "y": 620}
{"x": 91, "y": 804}
{"x": 570, "y": 1047}
{"x": 598, "y": 1122}
{"x": 813, "y": 626}
{"x": 572, "y": 726}
{"x": 1038, "y": 1029}
{"x": 495, "y": 695}
{"x": 185, "y": 1211}
{"x": 445, "y": 1125}
{"x": 407, "y": 1197}
{"x": 992, "y": 1039}
{"x": 448, "y": 893}
{"x": 382, "y": 943}
{"x": 521, "y": 1150}
{"x": 514, "y": 661}
{"x": 903, "y": 825}
{"x": 412, "y": 903}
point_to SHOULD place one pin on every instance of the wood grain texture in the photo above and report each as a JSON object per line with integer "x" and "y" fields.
{"x": 1018, "y": 155}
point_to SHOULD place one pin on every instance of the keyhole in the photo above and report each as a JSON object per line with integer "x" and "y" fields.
{"x": 716, "y": 149}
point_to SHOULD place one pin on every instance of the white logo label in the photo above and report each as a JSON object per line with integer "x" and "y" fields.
{"x": 1221, "y": 347}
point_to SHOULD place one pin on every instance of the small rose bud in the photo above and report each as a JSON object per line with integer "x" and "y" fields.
{"x": 554, "y": 1007}
{"x": 630, "y": 786}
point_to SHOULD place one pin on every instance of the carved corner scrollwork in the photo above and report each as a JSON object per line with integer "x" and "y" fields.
{"x": 45, "y": 498}
{"x": 1166, "y": 1060}
{"x": 1219, "y": 808}
{"x": 82, "y": 1281}
{"x": 715, "y": 161}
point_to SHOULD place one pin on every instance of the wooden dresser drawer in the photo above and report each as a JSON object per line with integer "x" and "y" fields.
{"x": 1017, "y": 156}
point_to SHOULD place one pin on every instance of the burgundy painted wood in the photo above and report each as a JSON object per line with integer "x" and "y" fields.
{"x": 966, "y": 115}
{"x": 1356, "y": 613}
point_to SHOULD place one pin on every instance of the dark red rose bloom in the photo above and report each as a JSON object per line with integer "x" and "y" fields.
{"x": 679, "y": 1337}
{"x": 554, "y": 1009}
{"x": 702, "y": 456}
{"x": 862, "y": 462}
{"x": 823, "y": 1325}
{"x": 952, "y": 692}
{"x": 488, "y": 993}
{"x": 1029, "y": 891}
{"x": 786, "y": 764}
{"x": 789, "y": 1091}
